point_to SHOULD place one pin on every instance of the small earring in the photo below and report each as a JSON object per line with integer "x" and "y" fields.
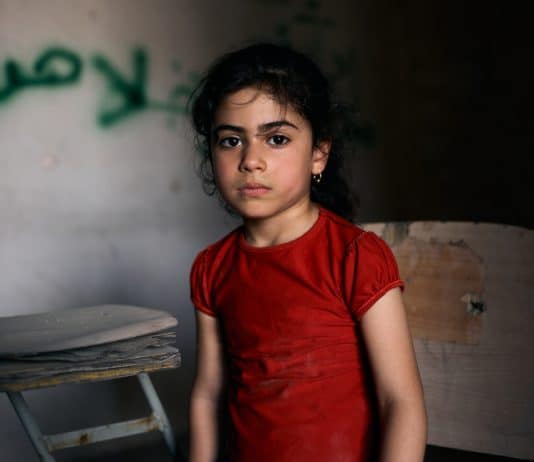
{"x": 317, "y": 177}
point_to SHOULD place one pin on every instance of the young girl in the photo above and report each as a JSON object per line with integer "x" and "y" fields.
{"x": 299, "y": 312}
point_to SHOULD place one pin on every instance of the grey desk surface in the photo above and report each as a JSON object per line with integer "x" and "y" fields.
{"x": 78, "y": 327}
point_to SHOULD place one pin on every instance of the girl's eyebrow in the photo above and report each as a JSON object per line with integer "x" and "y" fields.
{"x": 277, "y": 123}
{"x": 262, "y": 128}
{"x": 232, "y": 128}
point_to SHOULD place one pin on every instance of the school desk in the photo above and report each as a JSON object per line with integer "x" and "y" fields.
{"x": 87, "y": 345}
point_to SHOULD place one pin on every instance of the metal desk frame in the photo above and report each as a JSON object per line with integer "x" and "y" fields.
{"x": 45, "y": 444}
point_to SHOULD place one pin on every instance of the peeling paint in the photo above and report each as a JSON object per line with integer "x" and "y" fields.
{"x": 396, "y": 232}
{"x": 444, "y": 285}
{"x": 475, "y": 305}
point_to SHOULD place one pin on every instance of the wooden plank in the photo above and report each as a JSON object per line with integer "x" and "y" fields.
{"x": 91, "y": 376}
{"x": 469, "y": 299}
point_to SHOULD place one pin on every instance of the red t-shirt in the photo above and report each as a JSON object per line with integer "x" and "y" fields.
{"x": 299, "y": 387}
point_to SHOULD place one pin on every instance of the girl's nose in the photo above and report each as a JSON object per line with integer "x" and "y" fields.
{"x": 251, "y": 158}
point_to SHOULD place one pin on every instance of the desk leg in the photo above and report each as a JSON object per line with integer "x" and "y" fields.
{"x": 30, "y": 425}
{"x": 158, "y": 411}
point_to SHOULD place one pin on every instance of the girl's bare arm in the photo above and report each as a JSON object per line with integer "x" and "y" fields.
{"x": 403, "y": 418}
{"x": 206, "y": 390}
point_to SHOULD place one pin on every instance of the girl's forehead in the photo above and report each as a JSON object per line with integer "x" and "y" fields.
{"x": 252, "y": 101}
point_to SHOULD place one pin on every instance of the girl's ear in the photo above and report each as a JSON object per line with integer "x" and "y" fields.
{"x": 320, "y": 156}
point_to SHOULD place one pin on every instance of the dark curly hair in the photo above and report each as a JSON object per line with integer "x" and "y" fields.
{"x": 292, "y": 79}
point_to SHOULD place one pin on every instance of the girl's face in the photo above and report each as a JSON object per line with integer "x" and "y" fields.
{"x": 263, "y": 155}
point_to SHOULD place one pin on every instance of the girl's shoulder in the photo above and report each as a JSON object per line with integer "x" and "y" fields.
{"x": 205, "y": 267}
{"x": 215, "y": 250}
{"x": 341, "y": 229}
{"x": 367, "y": 266}
{"x": 354, "y": 239}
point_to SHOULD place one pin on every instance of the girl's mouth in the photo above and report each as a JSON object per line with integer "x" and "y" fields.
{"x": 253, "y": 189}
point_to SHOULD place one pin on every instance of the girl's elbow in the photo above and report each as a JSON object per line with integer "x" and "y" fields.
{"x": 412, "y": 405}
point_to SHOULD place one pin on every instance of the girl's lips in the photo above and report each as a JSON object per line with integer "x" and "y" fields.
{"x": 253, "y": 189}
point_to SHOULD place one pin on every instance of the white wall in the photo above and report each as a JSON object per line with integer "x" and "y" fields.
{"x": 94, "y": 213}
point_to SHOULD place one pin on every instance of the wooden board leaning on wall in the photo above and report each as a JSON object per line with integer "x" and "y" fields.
{"x": 469, "y": 298}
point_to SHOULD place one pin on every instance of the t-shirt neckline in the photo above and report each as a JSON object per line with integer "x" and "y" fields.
{"x": 244, "y": 245}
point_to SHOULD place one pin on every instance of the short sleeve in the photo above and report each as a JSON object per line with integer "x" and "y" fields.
{"x": 198, "y": 280}
{"x": 370, "y": 270}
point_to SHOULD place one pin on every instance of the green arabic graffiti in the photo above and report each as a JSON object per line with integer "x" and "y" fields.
{"x": 47, "y": 71}
{"x": 126, "y": 94}
{"x": 132, "y": 92}
{"x": 58, "y": 66}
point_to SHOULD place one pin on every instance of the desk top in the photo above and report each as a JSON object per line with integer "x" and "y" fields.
{"x": 78, "y": 328}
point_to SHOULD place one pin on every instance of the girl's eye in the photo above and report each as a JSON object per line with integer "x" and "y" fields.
{"x": 278, "y": 140}
{"x": 229, "y": 142}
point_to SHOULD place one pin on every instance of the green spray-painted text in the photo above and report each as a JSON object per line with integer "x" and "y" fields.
{"x": 126, "y": 94}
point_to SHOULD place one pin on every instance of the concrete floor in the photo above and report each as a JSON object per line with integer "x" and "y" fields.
{"x": 439, "y": 454}
{"x": 154, "y": 450}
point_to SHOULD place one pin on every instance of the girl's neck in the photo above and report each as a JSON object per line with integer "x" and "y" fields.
{"x": 281, "y": 228}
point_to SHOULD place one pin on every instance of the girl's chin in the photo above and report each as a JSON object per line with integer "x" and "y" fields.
{"x": 254, "y": 216}
{"x": 254, "y": 212}
{"x": 261, "y": 210}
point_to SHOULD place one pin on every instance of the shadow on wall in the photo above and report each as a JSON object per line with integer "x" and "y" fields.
{"x": 449, "y": 87}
